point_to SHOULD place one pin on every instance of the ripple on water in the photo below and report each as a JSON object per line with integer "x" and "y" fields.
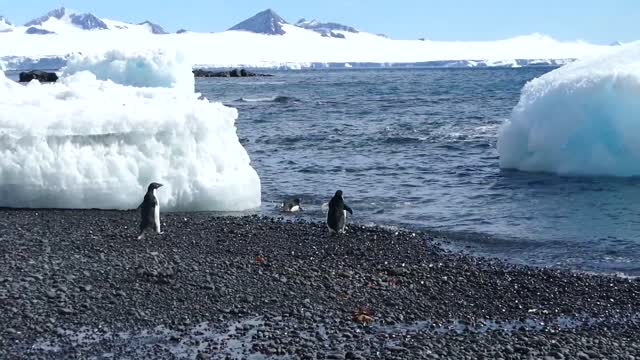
{"x": 373, "y": 133}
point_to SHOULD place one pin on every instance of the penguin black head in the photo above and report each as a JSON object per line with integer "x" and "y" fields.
{"x": 338, "y": 194}
{"x": 296, "y": 201}
{"x": 153, "y": 186}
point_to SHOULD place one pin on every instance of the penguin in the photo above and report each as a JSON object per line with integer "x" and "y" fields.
{"x": 150, "y": 211}
{"x": 292, "y": 206}
{"x": 337, "y": 216}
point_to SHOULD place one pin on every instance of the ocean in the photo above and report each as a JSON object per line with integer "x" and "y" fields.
{"x": 416, "y": 149}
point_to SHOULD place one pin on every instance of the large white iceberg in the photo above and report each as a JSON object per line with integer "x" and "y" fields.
{"x": 90, "y": 143}
{"x": 581, "y": 119}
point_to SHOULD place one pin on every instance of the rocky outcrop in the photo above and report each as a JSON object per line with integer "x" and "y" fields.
{"x": 39, "y": 75}
{"x": 36, "y": 31}
{"x": 230, "y": 73}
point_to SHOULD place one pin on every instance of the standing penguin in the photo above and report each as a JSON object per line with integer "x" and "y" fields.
{"x": 150, "y": 211}
{"x": 337, "y": 216}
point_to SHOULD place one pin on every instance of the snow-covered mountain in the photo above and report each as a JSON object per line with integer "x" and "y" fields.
{"x": 270, "y": 23}
{"x": 62, "y": 21}
{"x": 266, "y": 40}
{"x": 329, "y": 29}
{"x": 5, "y": 25}
{"x": 265, "y": 22}
{"x": 57, "y": 17}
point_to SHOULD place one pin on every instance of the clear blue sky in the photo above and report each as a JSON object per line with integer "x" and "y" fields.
{"x": 596, "y": 21}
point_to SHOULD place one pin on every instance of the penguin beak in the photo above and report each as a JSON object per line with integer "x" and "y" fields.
{"x": 160, "y": 185}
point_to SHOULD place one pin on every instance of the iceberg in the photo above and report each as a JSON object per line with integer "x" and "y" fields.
{"x": 581, "y": 119}
{"x": 113, "y": 124}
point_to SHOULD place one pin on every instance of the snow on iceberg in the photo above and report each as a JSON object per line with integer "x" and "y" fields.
{"x": 89, "y": 143}
{"x": 148, "y": 69}
{"x": 581, "y": 119}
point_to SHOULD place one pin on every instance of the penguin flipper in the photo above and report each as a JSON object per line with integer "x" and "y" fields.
{"x": 347, "y": 208}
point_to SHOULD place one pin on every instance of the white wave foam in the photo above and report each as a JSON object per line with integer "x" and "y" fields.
{"x": 85, "y": 143}
{"x": 581, "y": 119}
{"x": 260, "y": 99}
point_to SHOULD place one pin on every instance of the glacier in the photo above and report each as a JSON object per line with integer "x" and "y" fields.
{"x": 581, "y": 119}
{"x": 111, "y": 125}
{"x": 296, "y": 48}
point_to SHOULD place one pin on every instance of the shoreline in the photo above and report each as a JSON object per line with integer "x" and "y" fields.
{"x": 78, "y": 283}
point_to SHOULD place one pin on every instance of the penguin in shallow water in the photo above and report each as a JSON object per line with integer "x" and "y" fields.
{"x": 150, "y": 211}
{"x": 292, "y": 206}
{"x": 337, "y": 216}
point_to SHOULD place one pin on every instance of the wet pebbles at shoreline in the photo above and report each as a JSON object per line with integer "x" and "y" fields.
{"x": 77, "y": 283}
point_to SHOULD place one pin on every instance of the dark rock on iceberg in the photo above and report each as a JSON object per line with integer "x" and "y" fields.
{"x": 39, "y": 75}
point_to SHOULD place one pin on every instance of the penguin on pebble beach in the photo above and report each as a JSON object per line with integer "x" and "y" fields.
{"x": 337, "y": 216}
{"x": 150, "y": 211}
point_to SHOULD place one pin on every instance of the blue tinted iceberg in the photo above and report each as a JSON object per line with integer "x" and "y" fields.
{"x": 581, "y": 119}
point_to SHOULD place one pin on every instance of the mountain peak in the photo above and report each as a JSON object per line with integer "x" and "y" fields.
{"x": 55, "y": 13}
{"x": 84, "y": 21}
{"x": 5, "y": 21}
{"x": 329, "y": 29}
{"x": 264, "y": 22}
{"x": 324, "y": 28}
{"x": 155, "y": 28}
{"x": 5, "y": 25}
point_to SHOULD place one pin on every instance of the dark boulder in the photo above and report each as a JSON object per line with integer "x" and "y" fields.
{"x": 39, "y": 75}
{"x": 231, "y": 73}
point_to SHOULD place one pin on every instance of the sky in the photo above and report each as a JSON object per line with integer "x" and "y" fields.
{"x": 596, "y": 21}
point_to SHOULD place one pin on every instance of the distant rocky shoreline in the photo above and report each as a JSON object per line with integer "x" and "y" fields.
{"x": 77, "y": 283}
{"x": 229, "y": 73}
{"x": 49, "y": 76}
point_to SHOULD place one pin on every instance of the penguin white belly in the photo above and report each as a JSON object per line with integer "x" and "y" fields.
{"x": 156, "y": 217}
{"x": 156, "y": 214}
{"x": 344, "y": 222}
{"x": 295, "y": 208}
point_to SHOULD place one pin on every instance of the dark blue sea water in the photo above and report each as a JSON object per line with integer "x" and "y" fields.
{"x": 416, "y": 148}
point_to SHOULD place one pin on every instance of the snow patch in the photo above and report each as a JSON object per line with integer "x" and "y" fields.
{"x": 141, "y": 69}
